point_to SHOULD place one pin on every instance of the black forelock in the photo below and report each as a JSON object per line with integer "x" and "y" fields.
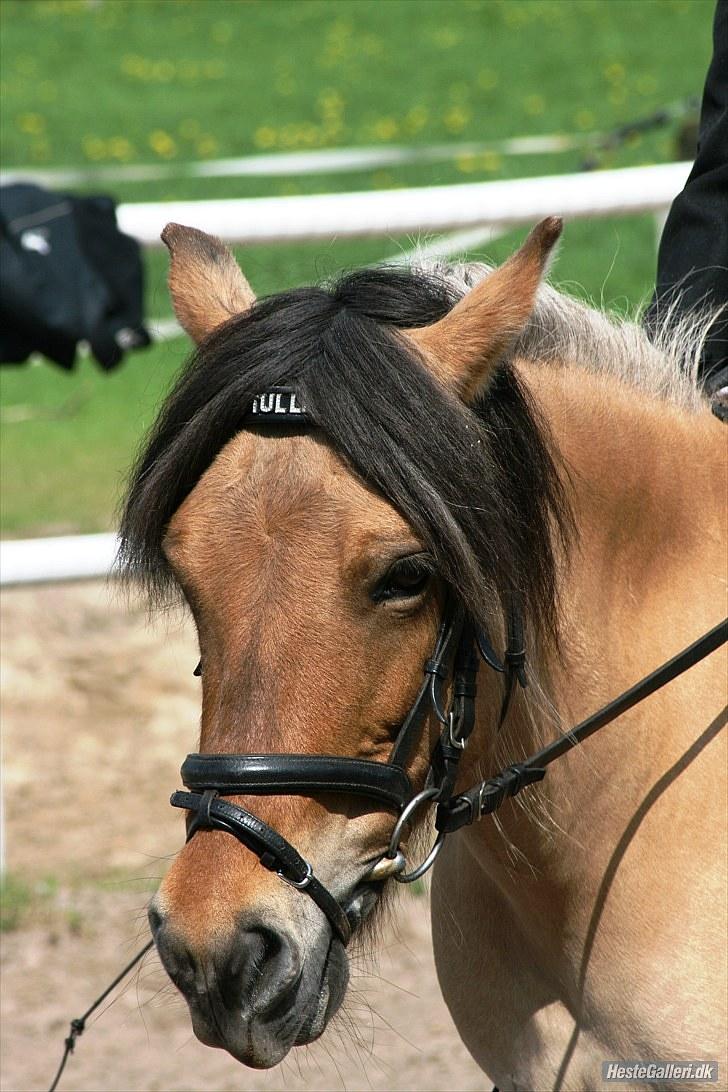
{"x": 478, "y": 486}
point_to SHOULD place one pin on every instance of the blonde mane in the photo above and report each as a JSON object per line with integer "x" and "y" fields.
{"x": 563, "y": 329}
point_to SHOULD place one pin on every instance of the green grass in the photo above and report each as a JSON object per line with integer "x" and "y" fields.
{"x": 22, "y": 900}
{"x": 148, "y": 81}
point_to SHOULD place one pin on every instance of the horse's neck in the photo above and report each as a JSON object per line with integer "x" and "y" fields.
{"x": 567, "y": 917}
{"x": 648, "y": 487}
{"x": 645, "y": 577}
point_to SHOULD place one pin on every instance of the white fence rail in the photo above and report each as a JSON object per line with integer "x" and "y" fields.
{"x": 67, "y": 557}
{"x": 319, "y": 161}
{"x": 421, "y": 211}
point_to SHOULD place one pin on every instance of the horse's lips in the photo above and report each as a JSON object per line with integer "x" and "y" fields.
{"x": 261, "y": 1041}
{"x": 332, "y": 988}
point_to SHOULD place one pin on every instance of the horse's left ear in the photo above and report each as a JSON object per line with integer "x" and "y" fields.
{"x": 206, "y": 283}
{"x": 464, "y": 348}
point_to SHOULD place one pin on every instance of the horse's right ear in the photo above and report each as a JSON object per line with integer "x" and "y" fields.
{"x": 205, "y": 281}
{"x": 464, "y": 348}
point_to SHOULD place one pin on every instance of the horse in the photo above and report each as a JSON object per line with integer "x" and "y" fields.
{"x": 471, "y": 447}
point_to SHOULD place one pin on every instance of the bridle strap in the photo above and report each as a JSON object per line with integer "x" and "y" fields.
{"x": 269, "y": 774}
{"x": 275, "y": 853}
{"x": 429, "y": 696}
{"x": 487, "y": 797}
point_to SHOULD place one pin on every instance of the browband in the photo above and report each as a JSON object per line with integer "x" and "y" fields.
{"x": 280, "y": 407}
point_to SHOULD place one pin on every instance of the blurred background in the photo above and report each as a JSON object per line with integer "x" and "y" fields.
{"x": 130, "y": 98}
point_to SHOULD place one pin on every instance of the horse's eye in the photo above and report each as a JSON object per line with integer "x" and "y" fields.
{"x": 198, "y": 669}
{"x": 405, "y": 579}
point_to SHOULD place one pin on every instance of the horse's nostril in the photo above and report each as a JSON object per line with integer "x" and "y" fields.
{"x": 260, "y": 969}
{"x": 155, "y": 918}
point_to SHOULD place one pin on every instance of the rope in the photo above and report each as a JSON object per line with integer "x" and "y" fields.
{"x": 79, "y": 1023}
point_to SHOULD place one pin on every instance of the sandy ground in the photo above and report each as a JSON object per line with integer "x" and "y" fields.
{"x": 99, "y": 708}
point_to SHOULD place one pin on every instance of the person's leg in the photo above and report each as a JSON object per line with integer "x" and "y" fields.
{"x": 692, "y": 265}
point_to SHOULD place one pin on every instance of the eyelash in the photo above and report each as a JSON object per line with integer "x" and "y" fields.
{"x": 417, "y": 568}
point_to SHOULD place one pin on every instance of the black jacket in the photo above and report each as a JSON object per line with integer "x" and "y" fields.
{"x": 67, "y": 274}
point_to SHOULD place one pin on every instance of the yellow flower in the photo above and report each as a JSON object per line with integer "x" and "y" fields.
{"x": 288, "y": 136}
{"x": 309, "y": 135}
{"x": 162, "y": 144}
{"x": 120, "y": 148}
{"x": 415, "y": 119}
{"x": 385, "y": 129}
{"x": 466, "y": 163}
{"x": 131, "y": 65}
{"x": 446, "y": 37}
{"x": 514, "y": 16}
{"x": 456, "y": 118}
{"x": 615, "y": 72}
{"x": 491, "y": 161}
{"x": 584, "y": 119}
{"x": 33, "y": 124}
{"x": 265, "y": 137}
{"x": 162, "y": 71}
{"x": 214, "y": 70}
{"x": 534, "y": 104}
{"x": 646, "y": 84}
{"x": 206, "y": 145}
{"x": 331, "y": 103}
{"x": 94, "y": 148}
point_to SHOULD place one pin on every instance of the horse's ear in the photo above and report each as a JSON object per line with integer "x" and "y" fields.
{"x": 464, "y": 347}
{"x": 206, "y": 283}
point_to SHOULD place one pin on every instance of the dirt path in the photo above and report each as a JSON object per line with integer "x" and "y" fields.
{"x": 98, "y": 710}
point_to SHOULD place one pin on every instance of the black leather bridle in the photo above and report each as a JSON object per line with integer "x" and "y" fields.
{"x": 455, "y": 660}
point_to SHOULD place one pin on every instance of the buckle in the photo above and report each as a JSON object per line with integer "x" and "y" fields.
{"x": 298, "y": 884}
{"x": 455, "y": 741}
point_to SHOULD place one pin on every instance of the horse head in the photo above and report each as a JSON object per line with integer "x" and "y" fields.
{"x": 318, "y": 561}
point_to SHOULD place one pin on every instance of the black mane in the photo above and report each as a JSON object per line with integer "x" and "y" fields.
{"x": 479, "y": 486}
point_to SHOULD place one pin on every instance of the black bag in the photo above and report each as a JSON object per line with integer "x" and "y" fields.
{"x": 67, "y": 274}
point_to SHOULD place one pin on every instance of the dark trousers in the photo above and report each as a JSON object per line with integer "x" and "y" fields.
{"x": 692, "y": 264}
